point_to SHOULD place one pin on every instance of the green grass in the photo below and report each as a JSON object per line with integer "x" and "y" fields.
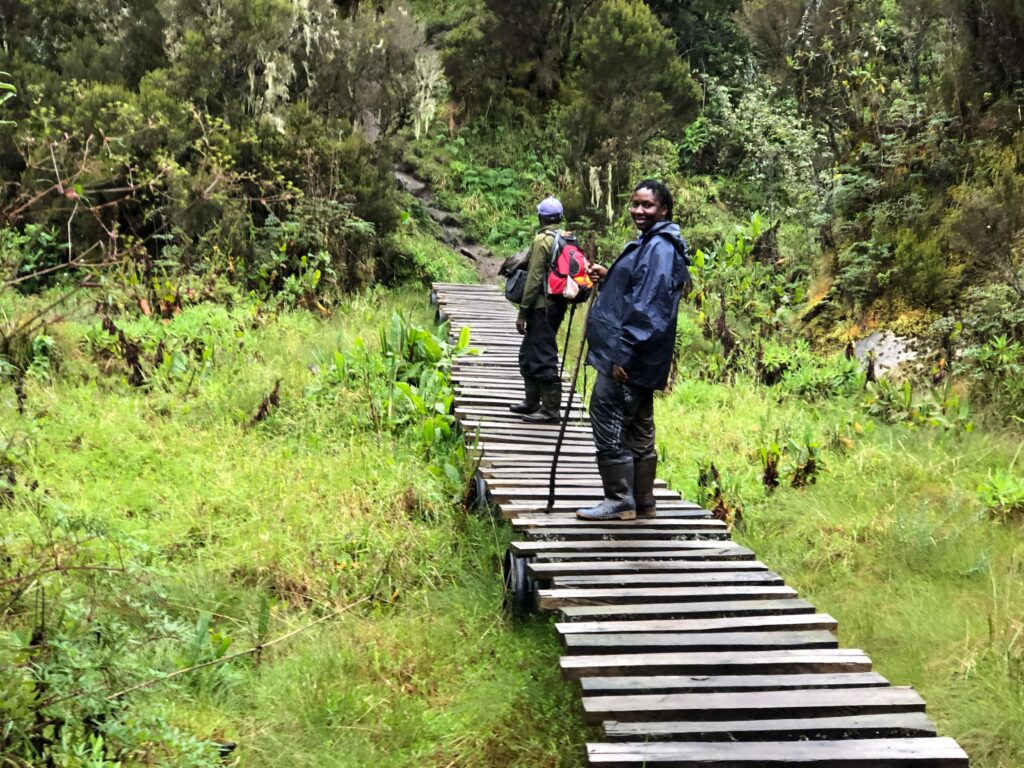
{"x": 892, "y": 540}
{"x": 224, "y": 533}
{"x": 220, "y": 525}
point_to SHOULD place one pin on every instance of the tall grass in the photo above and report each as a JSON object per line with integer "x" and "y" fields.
{"x": 892, "y": 540}
{"x": 222, "y": 533}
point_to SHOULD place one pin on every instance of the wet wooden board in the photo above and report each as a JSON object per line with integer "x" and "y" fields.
{"x": 626, "y": 533}
{"x": 633, "y": 546}
{"x": 668, "y": 553}
{"x": 685, "y": 642}
{"x": 755, "y": 705}
{"x": 536, "y": 520}
{"x": 721, "y": 663}
{"x": 687, "y": 610}
{"x": 638, "y": 684}
{"x": 549, "y": 571}
{"x": 883, "y": 726}
{"x": 854, "y": 753}
{"x": 702, "y": 578}
{"x": 727, "y": 624}
{"x": 550, "y": 599}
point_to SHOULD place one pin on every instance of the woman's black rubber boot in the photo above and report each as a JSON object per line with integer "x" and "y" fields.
{"x": 618, "y": 503}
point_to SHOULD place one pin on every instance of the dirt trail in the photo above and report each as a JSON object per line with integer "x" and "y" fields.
{"x": 484, "y": 262}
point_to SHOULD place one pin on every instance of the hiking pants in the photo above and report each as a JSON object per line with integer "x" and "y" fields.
{"x": 622, "y": 419}
{"x": 538, "y": 352}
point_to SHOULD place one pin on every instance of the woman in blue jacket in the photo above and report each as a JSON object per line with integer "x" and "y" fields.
{"x": 631, "y": 331}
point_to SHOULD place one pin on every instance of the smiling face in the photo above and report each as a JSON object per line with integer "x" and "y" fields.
{"x": 646, "y": 210}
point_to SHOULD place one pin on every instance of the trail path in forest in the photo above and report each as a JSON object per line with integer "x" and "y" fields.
{"x": 453, "y": 236}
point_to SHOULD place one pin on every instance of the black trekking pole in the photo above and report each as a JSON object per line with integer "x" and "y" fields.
{"x": 568, "y": 333}
{"x": 568, "y": 406}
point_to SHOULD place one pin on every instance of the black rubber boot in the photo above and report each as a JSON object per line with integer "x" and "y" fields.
{"x": 532, "y": 401}
{"x": 643, "y": 486}
{"x": 618, "y": 503}
{"x": 550, "y": 397}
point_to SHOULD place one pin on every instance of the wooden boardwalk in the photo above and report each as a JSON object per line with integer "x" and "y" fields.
{"x": 687, "y": 649}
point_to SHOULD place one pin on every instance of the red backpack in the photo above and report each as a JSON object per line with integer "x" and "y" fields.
{"x": 567, "y": 272}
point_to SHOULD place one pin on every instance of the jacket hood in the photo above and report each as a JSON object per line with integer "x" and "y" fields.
{"x": 669, "y": 230}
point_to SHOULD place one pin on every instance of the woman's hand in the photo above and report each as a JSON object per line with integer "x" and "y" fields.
{"x": 596, "y": 272}
{"x": 619, "y": 374}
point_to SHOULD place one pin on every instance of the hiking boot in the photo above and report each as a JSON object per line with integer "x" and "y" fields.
{"x": 531, "y": 402}
{"x": 551, "y": 395}
{"x": 643, "y": 486}
{"x": 541, "y": 416}
{"x": 524, "y": 407}
{"x": 618, "y": 503}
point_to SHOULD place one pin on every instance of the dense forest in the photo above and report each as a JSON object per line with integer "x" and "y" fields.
{"x": 209, "y": 273}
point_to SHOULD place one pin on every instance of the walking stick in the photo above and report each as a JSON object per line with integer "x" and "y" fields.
{"x": 568, "y": 407}
{"x": 568, "y": 333}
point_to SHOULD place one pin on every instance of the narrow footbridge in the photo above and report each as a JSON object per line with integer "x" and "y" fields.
{"x": 688, "y": 651}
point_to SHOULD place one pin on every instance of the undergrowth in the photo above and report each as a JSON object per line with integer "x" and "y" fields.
{"x": 270, "y": 473}
{"x": 910, "y": 537}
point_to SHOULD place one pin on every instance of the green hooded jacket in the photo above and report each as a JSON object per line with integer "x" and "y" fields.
{"x": 534, "y": 294}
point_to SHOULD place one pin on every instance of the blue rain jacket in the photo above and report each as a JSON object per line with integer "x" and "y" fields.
{"x": 633, "y": 320}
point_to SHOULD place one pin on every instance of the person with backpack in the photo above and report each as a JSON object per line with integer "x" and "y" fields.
{"x": 631, "y": 331}
{"x": 539, "y": 317}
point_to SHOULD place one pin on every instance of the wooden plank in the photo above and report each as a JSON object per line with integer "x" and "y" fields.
{"x": 549, "y": 599}
{"x": 857, "y": 753}
{"x": 883, "y": 726}
{"x": 634, "y": 546}
{"x": 624, "y": 533}
{"x": 727, "y": 662}
{"x": 641, "y": 684}
{"x": 819, "y": 702}
{"x": 703, "y": 578}
{"x": 729, "y": 551}
{"x": 688, "y": 610}
{"x": 726, "y": 624}
{"x": 537, "y": 522}
{"x": 548, "y": 571}
{"x": 678, "y": 513}
{"x": 685, "y": 642}
{"x": 501, "y": 483}
{"x": 510, "y": 511}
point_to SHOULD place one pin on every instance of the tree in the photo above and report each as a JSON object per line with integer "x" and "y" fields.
{"x": 707, "y": 33}
{"x": 627, "y": 86}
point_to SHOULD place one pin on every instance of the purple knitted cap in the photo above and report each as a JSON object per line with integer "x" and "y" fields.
{"x": 549, "y": 206}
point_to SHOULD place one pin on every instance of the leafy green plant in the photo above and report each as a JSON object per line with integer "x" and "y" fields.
{"x": 805, "y": 461}
{"x": 1002, "y": 494}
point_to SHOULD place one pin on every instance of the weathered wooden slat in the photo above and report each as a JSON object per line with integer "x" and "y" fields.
{"x": 669, "y": 553}
{"x": 548, "y": 571}
{"x": 497, "y": 483}
{"x": 641, "y": 684}
{"x": 723, "y": 663}
{"x": 687, "y": 610}
{"x": 819, "y": 702}
{"x": 535, "y": 522}
{"x": 510, "y": 511}
{"x": 859, "y": 753}
{"x": 550, "y": 599}
{"x": 686, "y": 642}
{"x": 567, "y": 517}
{"x": 625, "y": 533}
{"x": 883, "y": 726}
{"x": 701, "y": 578}
{"x": 727, "y": 624}
{"x": 633, "y": 546}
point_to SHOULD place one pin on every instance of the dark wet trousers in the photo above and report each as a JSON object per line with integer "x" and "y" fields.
{"x": 622, "y": 419}
{"x": 538, "y": 353}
